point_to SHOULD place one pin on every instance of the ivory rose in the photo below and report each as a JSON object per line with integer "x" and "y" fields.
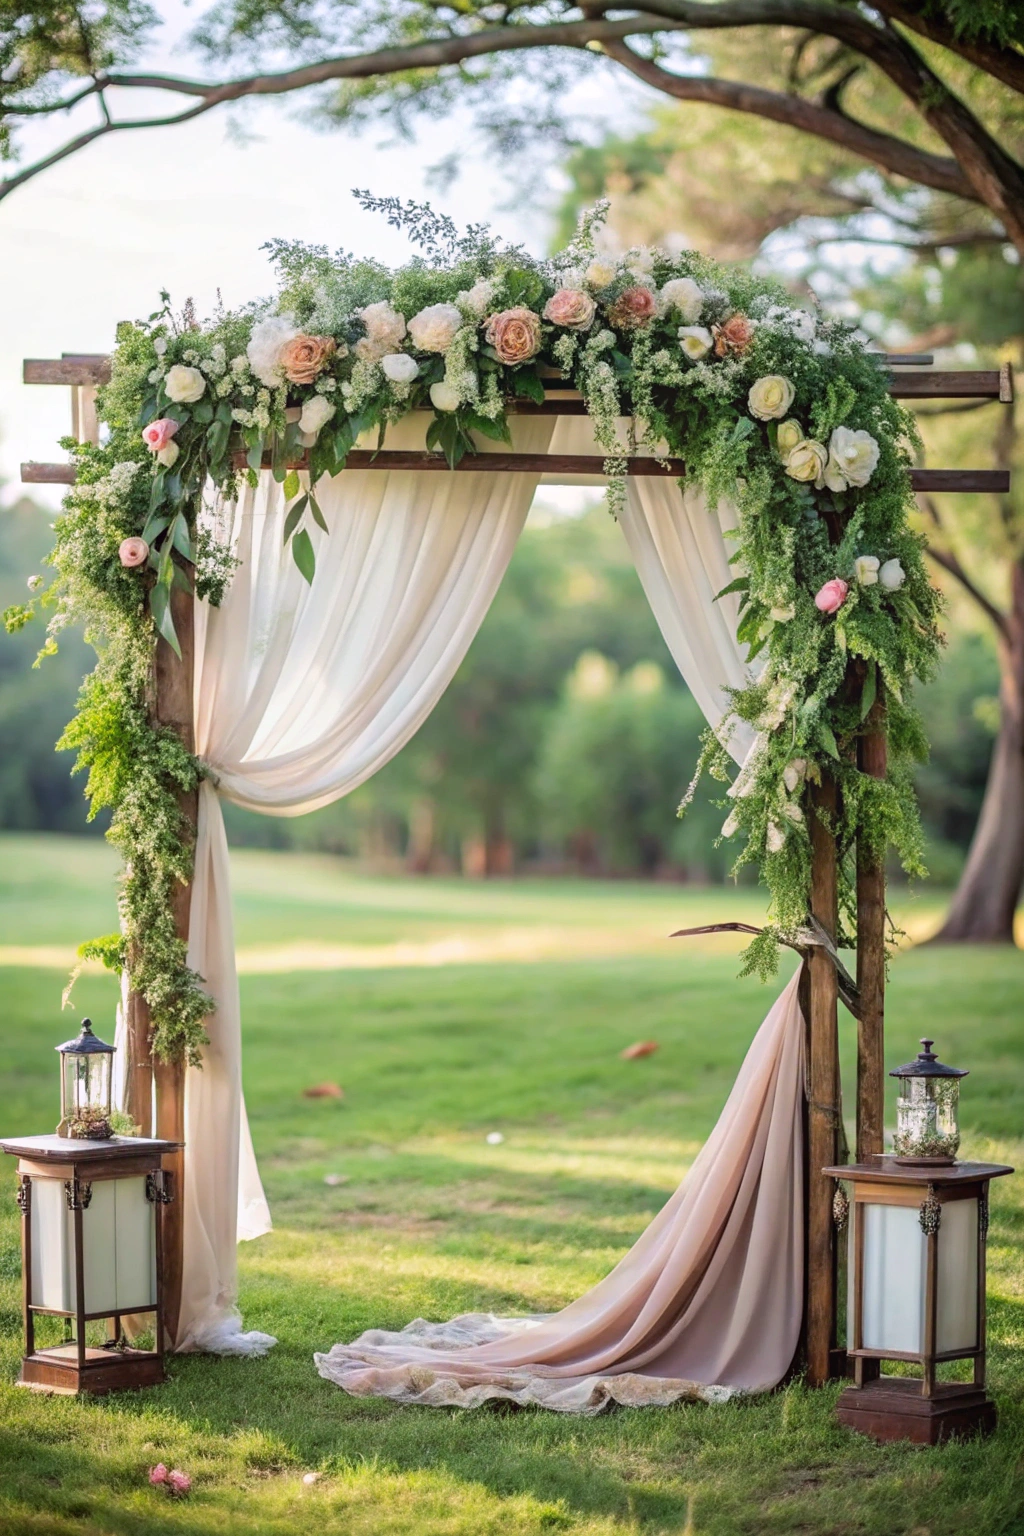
{"x": 771, "y": 397}
{"x": 685, "y": 296}
{"x": 806, "y": 461}
{"x": 184, "y": 385}
{"x": 600, "y": 274}
{"x": 633, "y": 308}
{"x": 570, "y": 307}
{"x": 695, "y": 341}
{"x": 852, "y": 457}
{"x": 786, "y": 438}
{"x": 892, "y": 576}
{"x": 433, "y": 329}
{"x": 444, "y": 396}
{"x": 303, "y": 358}
{"x": 832, "y": 595}
{"x": 514, "y": 334}
{"x": 168, "y": 455}
{"x": 385, "y": 330}
{"x": 865, "y": 568}
{"x": 316, "y": 413}
{"x": 733, "y": 335}
{"x": 399, "y": 367}
{"x": 159, "y": 433}
{"x": 132, "y": 552}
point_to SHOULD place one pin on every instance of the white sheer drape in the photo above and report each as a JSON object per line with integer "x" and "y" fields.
{"x": 301, "y": 694}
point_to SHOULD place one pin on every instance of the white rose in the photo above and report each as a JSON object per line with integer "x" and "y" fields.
{"x": 399, "y": 367}
{"x": 684, "y": 295}
{"x": 771, "y": 397}
{"x": 599, "y": 274}
{"x": 265, "y": 347}
{"x": 852, "y": 457}
{"x": 865, "y": 569}
{"x": 695, "y": 341}
{"x": 316, "y": 413}
{"x": 892, "y": 576}
{"x": 433, "y": 329}
{"x": 184, "y": 385}
{"x": 807, "y": 461}
{"x": 385, "y": 329}
{"x": 783, "y": 615}
{"x": 168, "y": 454}
{"x": 443, "y": 397}
{"x": 788, "y": 435}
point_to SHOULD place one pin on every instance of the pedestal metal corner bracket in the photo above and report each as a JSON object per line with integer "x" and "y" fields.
{"x": 930, "y": 1214}
{"x": 77, "y": 1194}
{"x": 158, "y": 1187}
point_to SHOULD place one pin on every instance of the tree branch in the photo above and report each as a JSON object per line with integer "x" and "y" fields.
{"x": 896, "y": 156}
{"x": 951, "y": 563}
{"x": 1003, "y": 64}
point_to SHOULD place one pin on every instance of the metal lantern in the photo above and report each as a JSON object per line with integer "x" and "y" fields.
{"x": 927, "y": 1128}
{"x": 85, "y": 1085}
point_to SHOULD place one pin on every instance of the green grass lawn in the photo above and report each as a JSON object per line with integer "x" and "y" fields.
{"x": 429, "y": 1219}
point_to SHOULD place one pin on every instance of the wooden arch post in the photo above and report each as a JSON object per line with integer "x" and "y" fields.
{"x": 911, "y": 378}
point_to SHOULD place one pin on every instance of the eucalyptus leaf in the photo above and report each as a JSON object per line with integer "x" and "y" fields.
{"x": 302, "y": 554}
{"x": 292, "y": 484}
{"x": 160, "y": 607}
{"x": 318, "y": 517}
{"x": 294, "y": 518}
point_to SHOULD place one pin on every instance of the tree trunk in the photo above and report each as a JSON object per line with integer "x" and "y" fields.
{"x": 986, "y": 899}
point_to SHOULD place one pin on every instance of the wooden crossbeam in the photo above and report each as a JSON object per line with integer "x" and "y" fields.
{"x": 996, "y": 481}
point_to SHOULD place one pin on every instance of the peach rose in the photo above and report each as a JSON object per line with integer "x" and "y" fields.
{"x": 832, "y": 595}
{"x": 633, "y": 308}
{"x": 733, "y": 335}
{"x": 514, "y": 334}
{"x": 570, "y": 307}
{"x": 304, "y": 357}
{"x": 159, "y": 433}
{"x": 132, "y": 552}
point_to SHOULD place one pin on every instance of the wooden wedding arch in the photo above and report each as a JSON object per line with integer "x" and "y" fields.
{"x": 824, "y": 981}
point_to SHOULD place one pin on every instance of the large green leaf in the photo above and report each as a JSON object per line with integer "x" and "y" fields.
{"x": 292, "y": 484}
{"x": 302, "y": 554}
{"x": 294, "y": 518}
{"x": 160, "y": 607}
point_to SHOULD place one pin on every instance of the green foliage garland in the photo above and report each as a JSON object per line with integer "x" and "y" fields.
{"x": 781, "y": 411}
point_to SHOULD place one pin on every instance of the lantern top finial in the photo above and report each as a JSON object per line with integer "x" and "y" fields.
{"x": 928, "y": 1064}
{"x": 86, "y": 1044}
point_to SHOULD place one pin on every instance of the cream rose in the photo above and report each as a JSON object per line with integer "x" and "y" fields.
{"x": 892, "y": 576}
{"x": 184, "y": 385}
{"x": 685, "y": 296}
{"x": 865, "y": 569}
{"x": 852, "y": 457}
{"x": 433, "y": 329}
{"x": 694, "y": 341}
{"x": 168, "y": 454}
{"x": 806, "y": 461}
{"x": 771, "y": 397}
{"x": 399, "y": 367}
{"x": 599, "y": 274}
{"x": 786, "y": 438}
{"x": 444, "y": 396}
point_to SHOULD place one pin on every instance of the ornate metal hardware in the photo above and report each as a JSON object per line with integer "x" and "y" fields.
{"x": 77, "y": 1194}
{"x": 24, "y": 1194}
{"x": 930, "y": 1214}
{"x": 158, "y": 1187}
{"x": 840, "y": 1207}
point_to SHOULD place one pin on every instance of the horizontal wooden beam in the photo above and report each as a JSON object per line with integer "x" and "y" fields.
{"x": 996, "y": 481}
{"x": 907, "y": 384}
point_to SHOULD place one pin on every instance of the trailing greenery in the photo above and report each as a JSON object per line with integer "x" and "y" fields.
{"x": 783, "y": 412}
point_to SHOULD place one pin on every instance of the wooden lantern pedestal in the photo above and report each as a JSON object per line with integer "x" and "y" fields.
{"x": 92, "y": 1248}
{"x": 917, "y": 1294}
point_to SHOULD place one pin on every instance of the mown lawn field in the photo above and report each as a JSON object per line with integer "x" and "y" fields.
{"x": 447, "y": 1010}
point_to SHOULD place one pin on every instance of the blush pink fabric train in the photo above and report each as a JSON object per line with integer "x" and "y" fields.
{"x": 706, "y": 1303}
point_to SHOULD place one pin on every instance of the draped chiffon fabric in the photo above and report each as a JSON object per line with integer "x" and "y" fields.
{"x": 707, "y": 1302}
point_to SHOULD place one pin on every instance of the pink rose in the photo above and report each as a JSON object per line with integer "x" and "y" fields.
{"x": 133, "y": 552}
{"x": 733, "y": 335}
{"x": 633, "y": 308}
{"x": 514, "y": 334}
{"x": 179, "y": 1483}
{"x": 304, "y": 357}
{"x": 570, "y": 307}
{"x": 832, "y": 595}
{"x": 158, "y": 1474}
{"x": 159, "y": 433}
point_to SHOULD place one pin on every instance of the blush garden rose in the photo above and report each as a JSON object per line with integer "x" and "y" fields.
{"x": 514, "y": 334}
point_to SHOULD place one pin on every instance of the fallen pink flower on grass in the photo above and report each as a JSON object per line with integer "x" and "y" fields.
{"x": 638, "y": 1049}
{"x": 179, "y": 1483}
{"x": 158, "y": 1474}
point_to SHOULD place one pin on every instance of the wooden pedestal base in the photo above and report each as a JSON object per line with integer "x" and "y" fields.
{"x": 892, "y": 1408}
{"x": 105, "y": 1370}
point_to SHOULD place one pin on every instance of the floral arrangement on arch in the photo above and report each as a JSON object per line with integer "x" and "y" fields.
{"x": 781, "y": 410}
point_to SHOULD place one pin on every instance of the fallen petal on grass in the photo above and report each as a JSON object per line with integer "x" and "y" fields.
{"x": 639, "y": 1048}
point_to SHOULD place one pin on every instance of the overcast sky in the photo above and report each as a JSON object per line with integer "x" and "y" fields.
{"x": 93, "y": 240}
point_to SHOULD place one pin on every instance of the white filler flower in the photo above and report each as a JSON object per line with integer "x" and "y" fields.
{"x": 266, "y": 344}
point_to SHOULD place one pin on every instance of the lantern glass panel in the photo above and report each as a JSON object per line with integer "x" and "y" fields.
{"x": 927, "y": 1117}
{"x": 86, "y": 1083}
